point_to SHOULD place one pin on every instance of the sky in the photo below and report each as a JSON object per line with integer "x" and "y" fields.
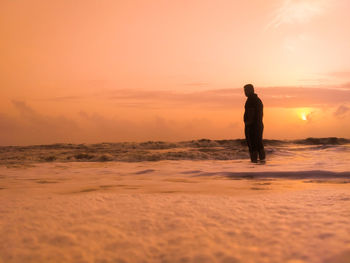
{"x": 89, "y": 71}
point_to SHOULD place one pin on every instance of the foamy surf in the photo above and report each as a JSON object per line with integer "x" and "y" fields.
{"x": 173, "y": 211}
{"x": 204, "y": 149}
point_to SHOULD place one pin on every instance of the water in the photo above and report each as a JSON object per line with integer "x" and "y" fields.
{"x": 311, "y": 154}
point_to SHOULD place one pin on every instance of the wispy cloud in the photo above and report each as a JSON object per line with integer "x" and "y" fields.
{"x": 297, "y": 12}
{"x": 285, "y": 97}
{"x": 310, "y": 116}
{"x": 62, "y": 98}
{"x": 341, "y": 111}
{"x": 340, "y": 74}
{"x": 141, "y": 99}
{"x": 32, "y": 127}
{"x": 196, "y": 84}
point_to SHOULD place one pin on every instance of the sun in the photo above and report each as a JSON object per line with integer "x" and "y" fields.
{"x": 303, "y": 116}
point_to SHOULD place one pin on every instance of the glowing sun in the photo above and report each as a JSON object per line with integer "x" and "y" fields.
{"x": 303, "y": 116}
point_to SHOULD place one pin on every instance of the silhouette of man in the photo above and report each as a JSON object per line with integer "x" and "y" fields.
{"x": 253, "y": 120}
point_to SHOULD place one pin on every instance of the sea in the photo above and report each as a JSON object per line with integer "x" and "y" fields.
{"x": 320, "y": 157}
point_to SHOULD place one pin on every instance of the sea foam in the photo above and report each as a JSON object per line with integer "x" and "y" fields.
{"x": 203, "y": 149}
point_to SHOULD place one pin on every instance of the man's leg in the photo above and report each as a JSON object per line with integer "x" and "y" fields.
{"x": 250, "y": 136}
{"x": 253, "y": 156}
{"x": 262, "y": 154}
{"x": 260, "y": 144}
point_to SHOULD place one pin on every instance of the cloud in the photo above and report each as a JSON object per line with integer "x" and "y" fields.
{"x": 160, "y": 99}
{"x": 63, "y": 98}
{"x": 284, "y": 97}
{"x": 32, "y": 127}
{"x": 196, "y": 84}
{"x": 102, "y": 128}
{"x": 297, "y": 12}
{"x": 310, "y": 116}
{"x": 211, "y": 99}
{"x": 24, "y": 109}
{"x": 343, "y": 75}
{"x": 290, "y": 97}
{"x": 341, "y": 111}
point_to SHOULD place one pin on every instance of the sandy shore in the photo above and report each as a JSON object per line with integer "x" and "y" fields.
{"x": 169, "y": 212}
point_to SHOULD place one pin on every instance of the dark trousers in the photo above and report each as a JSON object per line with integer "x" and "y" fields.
{"x": 253, "y": 136}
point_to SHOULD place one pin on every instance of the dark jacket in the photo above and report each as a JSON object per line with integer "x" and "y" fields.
{"x": 253, "y": 114}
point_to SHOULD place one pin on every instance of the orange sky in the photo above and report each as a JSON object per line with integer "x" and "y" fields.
{"x": 92, "y": 71}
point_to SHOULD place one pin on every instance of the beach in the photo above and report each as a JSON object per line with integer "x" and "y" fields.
{"x": 175, "y": 131}
{"x": 172, "y": 211}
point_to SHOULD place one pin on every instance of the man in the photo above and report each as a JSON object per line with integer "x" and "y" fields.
{"x": 253, "y": 120}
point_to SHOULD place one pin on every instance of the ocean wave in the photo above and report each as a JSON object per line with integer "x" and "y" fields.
{"x": 203, "y": 149}
{"x": 323, "y": 141}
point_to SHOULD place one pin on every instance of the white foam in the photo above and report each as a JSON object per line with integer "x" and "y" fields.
{"x": 164, "y": 212}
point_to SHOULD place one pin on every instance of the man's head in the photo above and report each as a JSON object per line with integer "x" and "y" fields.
{"x": 248, "y": 89}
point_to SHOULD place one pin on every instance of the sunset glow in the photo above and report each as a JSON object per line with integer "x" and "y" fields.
{"x": 174, "y": 131}
{"x": 303, "y": 117}
{"x": 305, "y": 113}
{"x": 92, "y": 71}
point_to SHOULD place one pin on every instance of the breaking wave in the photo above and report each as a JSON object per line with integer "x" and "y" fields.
{"x": 203, "y": 149}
